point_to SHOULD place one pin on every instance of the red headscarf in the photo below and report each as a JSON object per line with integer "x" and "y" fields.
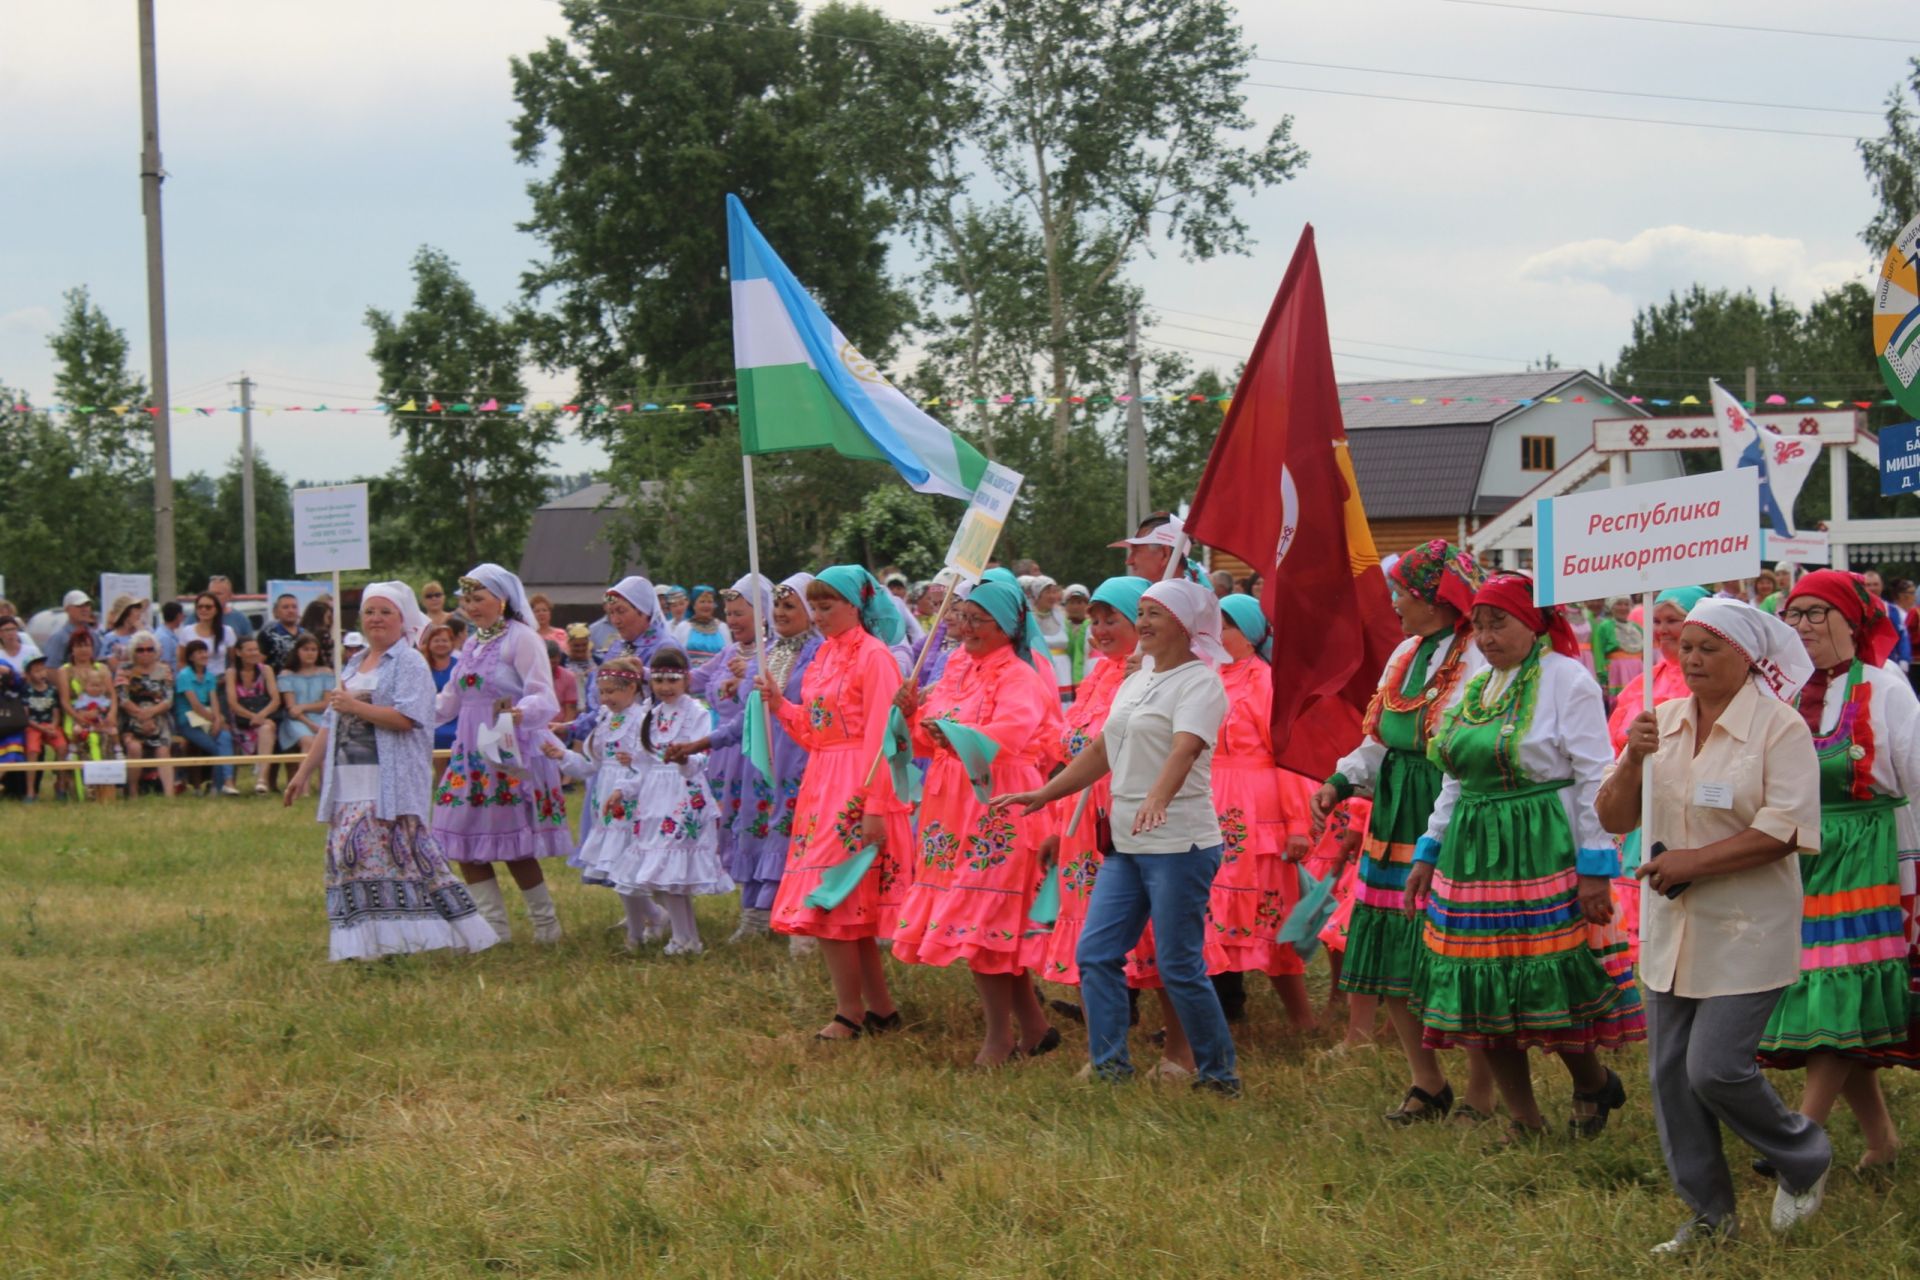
{"x": 1512, "y": 593}
{"x": 1874, "y": 636}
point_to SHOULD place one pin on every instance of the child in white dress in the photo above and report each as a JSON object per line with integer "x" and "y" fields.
{"x": 673, "y": 851}
{"x": 607, "y": 761}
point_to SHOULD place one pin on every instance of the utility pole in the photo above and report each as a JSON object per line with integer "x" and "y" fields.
{"x": 1753, "y": 388}
{"x": 247, "y": 533}
{"x": 1139, "y": 501}
{"x": 165, "y": 570}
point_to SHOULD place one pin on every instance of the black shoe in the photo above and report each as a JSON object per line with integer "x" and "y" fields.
{"x": 854, "y": 1029}
{"x": 1433, "y": 1106}
{"x": 1608, "y": 1098}
{"x": 1764, "y": 1167}
{"x": 1047, "y": 1044}
{"x": 873, "y": 1024}
{"x": 1068, "y": 1009}
{"x": 1225, "y": 1088}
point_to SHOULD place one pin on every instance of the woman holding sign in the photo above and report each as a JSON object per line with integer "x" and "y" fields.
{"x": 1433, "y": 588}
{"x": 990, "y": 726}
{"x": 499, "y": 800}
{"x": 850, "y": 831}
{"x": 1850, "y": 1010}
{"x": 1520, "y": 870}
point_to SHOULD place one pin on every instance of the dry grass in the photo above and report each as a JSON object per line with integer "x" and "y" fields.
{"x": 191, "y": 1089}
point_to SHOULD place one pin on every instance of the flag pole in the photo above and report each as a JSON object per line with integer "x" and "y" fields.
{"x": 1647, "y": 649}
{"x": 764, "y": 625}
{"x": 913, "y": 676}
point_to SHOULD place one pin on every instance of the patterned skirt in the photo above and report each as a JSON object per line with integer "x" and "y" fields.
{"x": 1383, "y": 941}
{"x": 389, "y": 891}
{"x": 1852, "y": 996}
{"x": 1509, "y": 962}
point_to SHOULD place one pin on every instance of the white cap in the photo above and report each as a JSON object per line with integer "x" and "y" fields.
{"x": 353, "y": 640}
{"x": 74, "y": 598}
{"x": 1076, "y": 589}
{"x": 1165, "y": 535}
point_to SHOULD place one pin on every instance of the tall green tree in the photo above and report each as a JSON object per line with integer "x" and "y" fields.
{"x": 895, "y": 525}
{"x": 214, "y": 543}
{"x": 1892, "y": 163}
{"x": 107, "y": 400}
{"x": 474, "y": 476}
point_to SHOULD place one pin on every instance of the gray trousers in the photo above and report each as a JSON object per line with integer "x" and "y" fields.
{"x": 1701, "y": 1058}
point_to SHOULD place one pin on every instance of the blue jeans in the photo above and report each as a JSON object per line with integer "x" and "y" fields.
{"x": 220, "y": 746}
{"x": 1171, "y": 889}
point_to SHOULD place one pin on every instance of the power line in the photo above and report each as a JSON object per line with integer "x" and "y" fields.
{"x": 1549, "y": 111}
{"x": 1565, "y": 88}
{"x": 1362, "y": 342}
{"x": 1685, "y": 22}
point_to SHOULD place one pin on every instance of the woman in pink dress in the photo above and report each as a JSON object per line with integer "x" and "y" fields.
{"x": 977, "y": 870}
{"x": 846, "y": 805}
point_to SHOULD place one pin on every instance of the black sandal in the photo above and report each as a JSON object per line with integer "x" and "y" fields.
{"x": 854, "y": 1029}
{"x": 1433, "y": 1106}
{"x": 1068, "y": 1009}
{"x": 1044, "y": 1046}
{"x": 873, "y": 1024}
{"x": 1608, "y": 1099}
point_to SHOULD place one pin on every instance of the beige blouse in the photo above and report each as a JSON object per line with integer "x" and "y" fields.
{"x": 1739, "y": 933}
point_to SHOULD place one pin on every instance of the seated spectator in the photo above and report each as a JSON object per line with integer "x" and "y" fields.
{"x": 13, "y": 706}
{"x": 251, "y": 698}
{"x": 196, "y": 712}
{"x": 169, "y": 633}
{"x": 304, "y": 686}
{"x": 543, "y": 619}
{"x": 146, "y": 710}
{"x": 220, "y": 587}
{"x": 44, "y": 732}
{"x": 125, "y": 616}
{"x": 317, "y": 621}
{"x": 87, "y": 701}
{"x": 209, "y": 630}
{"x": 79, "y": 607}
{"x": 277, "y": 637}
{"x": 16, "y": 650}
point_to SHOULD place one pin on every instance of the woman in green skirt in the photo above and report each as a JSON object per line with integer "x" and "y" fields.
{"x": 1851, "y": 1009}
{"x": 1433, "y": 587}
{"x": 1516, "y": 871}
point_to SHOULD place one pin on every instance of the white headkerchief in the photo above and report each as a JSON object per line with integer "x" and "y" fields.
{"x": 638, "y": 592}
{"x": 1198, "y": 610}
{"x": 1034, "y": 585}
{"x": 798, "y": 583}
{"x": 504, "y": 584}
{"x": 759, "y": 594}
{"x": 400, "y": 596}
{"x": 1771, "y": 647}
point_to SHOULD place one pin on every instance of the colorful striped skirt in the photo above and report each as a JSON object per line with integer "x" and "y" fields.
{"x": 1383, "y": 941}
{"x": 1509, "y": 962}
{"x": 1853, "y": 994}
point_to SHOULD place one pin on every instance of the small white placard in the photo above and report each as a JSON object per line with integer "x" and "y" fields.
{"x": 1714, "y": 795}
{"x": 115, "y": 585}
{"x": 330, "y": 529}
{"x": 980, "y": 526}
{"x": 104, "y": 773}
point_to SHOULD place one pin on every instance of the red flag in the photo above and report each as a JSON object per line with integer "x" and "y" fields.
{"x": 1279, "y": 493}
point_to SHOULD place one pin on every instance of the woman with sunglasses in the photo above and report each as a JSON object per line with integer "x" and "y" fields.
{"x": 146, "y": 710}
{"x": 433, "y": 603}
{"x": 1850, "y": 1011}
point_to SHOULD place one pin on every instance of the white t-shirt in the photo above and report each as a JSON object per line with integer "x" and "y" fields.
{"x": 1149, "y": 709}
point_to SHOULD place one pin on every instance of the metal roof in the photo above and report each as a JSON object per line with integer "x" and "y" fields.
{"x": 1419, "y": 471}
{"x": 567, "y": 546}
{"x": 1486, "y": 388}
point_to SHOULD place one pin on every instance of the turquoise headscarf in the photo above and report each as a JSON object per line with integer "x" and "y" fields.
{"x": 1245, "y": 614}
{"x": 1683, "y": 597}
{"x": 1006, "y": 604}
{"x": 863, "y": 591}
{"x": 1122, "y": 595}
{"x": 1001, "y": 574}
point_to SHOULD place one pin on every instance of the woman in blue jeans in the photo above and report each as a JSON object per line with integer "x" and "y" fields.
{"x": 1158, "y": 744}
{"x": 196, "y": 697}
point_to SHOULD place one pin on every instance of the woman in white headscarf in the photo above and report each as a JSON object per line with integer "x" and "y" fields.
{"x": 1050, "y": 620}
{"x": 723, "y": 684}
{"x": 388, "y": 887}
{"x": 499, "y": 800}
{"x": 1736, "y": 791}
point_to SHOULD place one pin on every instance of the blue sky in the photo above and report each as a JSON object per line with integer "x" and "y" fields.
{"x": 311, "y": 150}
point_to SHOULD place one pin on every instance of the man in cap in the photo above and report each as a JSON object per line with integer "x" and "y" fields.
{"x": 79, "y": 607}
{"x": 1152, "y": 547}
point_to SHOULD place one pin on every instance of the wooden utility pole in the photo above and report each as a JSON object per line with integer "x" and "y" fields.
{"x": 1139, "y": 500}
{"x": 250, "y": 547}
{"x": 164, "y": 569}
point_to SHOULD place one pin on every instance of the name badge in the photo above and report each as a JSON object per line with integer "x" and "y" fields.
{"x": 1713, "y": 795}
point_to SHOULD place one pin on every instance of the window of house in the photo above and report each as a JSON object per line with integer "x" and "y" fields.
{"x": 1536, "y": 453}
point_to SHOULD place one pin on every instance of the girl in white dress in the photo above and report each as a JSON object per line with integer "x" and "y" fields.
{"x": 672, "y": 849}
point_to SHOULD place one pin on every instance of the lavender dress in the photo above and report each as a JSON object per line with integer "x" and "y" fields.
{"x": 758, "y": 852}
{"x": 483, "y": 812}
{"x": 725, "y": 764}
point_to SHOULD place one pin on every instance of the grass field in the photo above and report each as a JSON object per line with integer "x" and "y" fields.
{"x": 192, "y": 1090}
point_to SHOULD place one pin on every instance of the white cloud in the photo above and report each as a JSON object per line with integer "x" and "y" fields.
{"x": 1660, "y": 259}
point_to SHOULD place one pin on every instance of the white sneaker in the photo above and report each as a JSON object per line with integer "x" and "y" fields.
{"x": 683, "y": 949}
{"x": 1699, "y": 1233}
{"x": 1791, "y": 1209}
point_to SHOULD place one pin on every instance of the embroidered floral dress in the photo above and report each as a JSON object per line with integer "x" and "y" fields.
{"x": 1050, "y": 954}
{"x": 1509, "y": 961}
{"x": 484, "y": 812}
{"x": 1853, "y": 995}
{"x": 672, "y": 842}
{"x": 763, "y": 820}
{"x": 607, "y": 823}
{"x": 841, "y": 721}
{"x": 1261, "y": 807}
{"x": 726, "y": 766}
{"x": 975, "y": 870}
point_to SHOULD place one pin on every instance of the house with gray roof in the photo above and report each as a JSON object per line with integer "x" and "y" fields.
{"x": 569, "y": 553}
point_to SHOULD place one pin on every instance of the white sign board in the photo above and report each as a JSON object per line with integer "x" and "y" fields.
{"x": 104, "y": 773}
{"x": 1652, "y": 435}
{"x": 115, "y": 585}
{"x": 980, "y": 528}
{"x": 1811, "y": 547}
{"x": 330, "y": 529}
{"x": 1647, "y": 537}
{"x": 301, "y": 589}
